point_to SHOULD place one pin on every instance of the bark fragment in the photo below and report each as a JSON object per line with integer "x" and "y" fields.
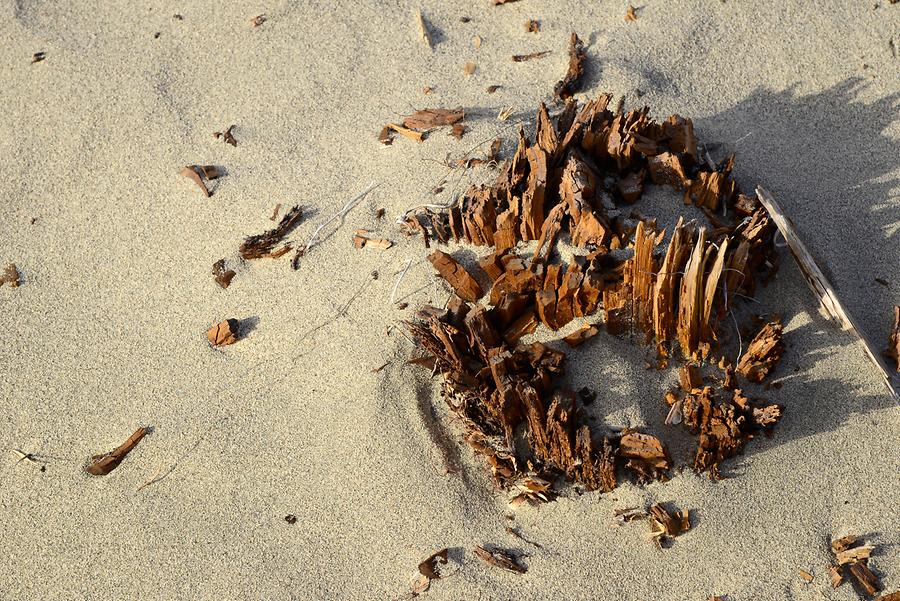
{"x": 223, "y": 333}
{"x": 763, "y": 354}
{"x": 456, "y": 275}
{"x": 222, "y": 275}
{"x": 10, "y": 276}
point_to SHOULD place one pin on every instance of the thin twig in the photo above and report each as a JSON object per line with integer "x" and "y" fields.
{"x": 314, "y": 239}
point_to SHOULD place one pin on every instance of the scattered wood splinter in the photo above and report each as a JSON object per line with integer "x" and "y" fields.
{"x": 102, "y": 464}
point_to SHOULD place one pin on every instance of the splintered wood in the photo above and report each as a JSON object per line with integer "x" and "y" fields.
{"x": 102, "y": 464}
{"x": 569, "y": 84}
{"x": 263, "y": 245}
{"x": 672, "y": 291}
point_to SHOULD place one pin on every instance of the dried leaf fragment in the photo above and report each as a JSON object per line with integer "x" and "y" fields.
{"x": 426, "y": 119}
{"x": 102, "y": 464}
{"x": 458, "y": 130}
{"x": 226, "y": 136}
{"x": 568, "y": 85}
{"x": 10, "y": 276}
{"x": 492, "y": 89}
{"x": 223, "y": 333}
{"x": 430, "y": 565}
{"x": 532, "y": 26}
{"x": 806, "y": 576}
{"x": 521, "y": 58}
{"x": 500, "y": 558}
{"x": 258, "y": 20}
{"x": 630, "y": 14}
{"x": 263, "y": 245}
{"x": 38, "y": 57}
{"x": 222, "y": 275}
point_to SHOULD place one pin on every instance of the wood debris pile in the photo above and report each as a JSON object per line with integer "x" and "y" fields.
{"x": 575, "y": 180}
{"x": 852, "y": 559}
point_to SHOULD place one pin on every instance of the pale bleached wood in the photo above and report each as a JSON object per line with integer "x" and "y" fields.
{"x": 820, "y": 284}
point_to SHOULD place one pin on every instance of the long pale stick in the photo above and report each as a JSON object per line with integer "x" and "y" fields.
{"x": 819, "y": 283}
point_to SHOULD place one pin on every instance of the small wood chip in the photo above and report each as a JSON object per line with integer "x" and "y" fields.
{"x": 430, "y": 566}
{"x": 497, "y": 2}
{"x": 895, "y": 596}
{"x": 387, "y": 139}
{"x": 10, "y": 276}
{"x": 763, "y": 353}
{"x": 102, "y": 464}
{"x": 579, "y": 336}
{"x": 469, "y": 68}
{"x": 532, "y": 26}
{"x": 806, "y": 576}
{"x": 223, "y": 333}
{"x": 38, "y": 57}
{"x": 630, "y": 14}
{"x": 258, "y": 20}
{"x": 427, "y": 90}
{"x": 521, "y": 58}
{"x": 492, "y": 89}
{"x": 275, "y": 212}
{"x": 290, "y": 519}
{"x": 423, "y": 28}
{"x": 458, "y": 130}
{"x": 222, "y": 275}
{"x": 362, "y": 238}
{"x": 226, "y": 136}
{"x": 835, "y": 576}
{"x": 476, "y": 41}
{"x": 864, "y": 577}
{"x": 500, "y": 558}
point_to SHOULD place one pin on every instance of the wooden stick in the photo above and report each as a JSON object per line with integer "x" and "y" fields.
{"x": 820, "y": 284}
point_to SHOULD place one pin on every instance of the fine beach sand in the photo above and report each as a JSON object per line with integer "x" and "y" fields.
{"x": 107, "y": 331}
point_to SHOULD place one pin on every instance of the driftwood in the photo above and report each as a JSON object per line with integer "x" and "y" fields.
{"x": 102, "y": 464}
{"x": 820, "y": 284}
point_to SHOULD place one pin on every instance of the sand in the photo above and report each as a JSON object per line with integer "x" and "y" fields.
{"x": 107, "y": 331}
